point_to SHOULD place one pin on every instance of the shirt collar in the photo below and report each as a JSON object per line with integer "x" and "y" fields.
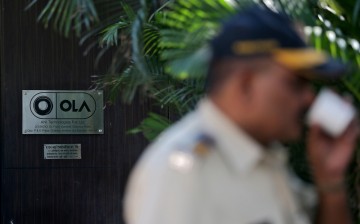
{"x": 237, "y": 147}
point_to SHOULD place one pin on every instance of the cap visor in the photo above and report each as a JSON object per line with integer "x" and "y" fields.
{"x": 316, "y": 65}
{"x": 332, "y": 69}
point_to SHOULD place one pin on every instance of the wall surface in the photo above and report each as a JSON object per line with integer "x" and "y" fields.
{"x": 35, "y": 190}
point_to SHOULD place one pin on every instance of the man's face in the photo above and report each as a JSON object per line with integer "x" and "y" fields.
{"x": 280, "y": 98}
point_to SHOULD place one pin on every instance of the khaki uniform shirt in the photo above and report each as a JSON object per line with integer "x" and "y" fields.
{"x": 205, "y": 170}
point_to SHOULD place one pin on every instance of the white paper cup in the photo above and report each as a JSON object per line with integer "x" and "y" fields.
{"x": 331, "y": 112}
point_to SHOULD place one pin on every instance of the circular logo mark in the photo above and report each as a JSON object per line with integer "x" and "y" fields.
{"x": 43, "y": 105}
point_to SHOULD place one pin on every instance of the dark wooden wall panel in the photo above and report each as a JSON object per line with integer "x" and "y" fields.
{"x": 35, "y": 190}
{"x": 63, "y": 196}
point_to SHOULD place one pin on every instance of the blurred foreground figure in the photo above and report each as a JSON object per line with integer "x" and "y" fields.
{"x": 223, "y": 163}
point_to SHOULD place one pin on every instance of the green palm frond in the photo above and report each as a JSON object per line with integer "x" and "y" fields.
{"x": 152, "y": 126}
{"x": 192, "y": 15}
{"x": 337, "y": 34}
{"x": 179, "y": 95}
{"x": 110, "y": 35}
{"x": 125, "y": 85}
{"x": 68, "y": 14}
{"x": 190, "y": 65}
{"x": 138, "y": 41}
{"x": 186, "y": 27}
{"x": 151, "y": 37}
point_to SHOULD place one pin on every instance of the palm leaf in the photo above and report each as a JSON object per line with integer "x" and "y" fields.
{"x": 110, "y": 35}
{"x": 67, "y": 14}
{"x": 151, "y": 126}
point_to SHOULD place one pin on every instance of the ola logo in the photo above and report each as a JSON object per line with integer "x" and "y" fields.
{"x": 66, "y": 106}
{"x": 63, "y": 105}
{"x": 43, "y": 105}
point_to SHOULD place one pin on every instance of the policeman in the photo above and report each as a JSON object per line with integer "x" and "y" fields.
{"x": 223, "y": 163}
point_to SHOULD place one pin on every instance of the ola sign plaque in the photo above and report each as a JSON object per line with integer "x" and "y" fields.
{"x": 62, "y": 112}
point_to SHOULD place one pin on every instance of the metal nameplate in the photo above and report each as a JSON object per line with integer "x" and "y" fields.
{"x": 62, "y": 112}
{"x": 62, "y": 151}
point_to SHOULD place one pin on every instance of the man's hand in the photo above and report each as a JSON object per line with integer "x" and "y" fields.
{"x": 329, "y": 158}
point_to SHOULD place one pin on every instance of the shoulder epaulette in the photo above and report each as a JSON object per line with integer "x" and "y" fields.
{"x": 203, "y": 144}
{"x": 185, "y": 156}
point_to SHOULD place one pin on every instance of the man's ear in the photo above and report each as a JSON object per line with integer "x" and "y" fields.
{"x": 245, "y": 82}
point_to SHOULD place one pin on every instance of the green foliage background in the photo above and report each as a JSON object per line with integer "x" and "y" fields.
{"x": 159, "y": 50}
